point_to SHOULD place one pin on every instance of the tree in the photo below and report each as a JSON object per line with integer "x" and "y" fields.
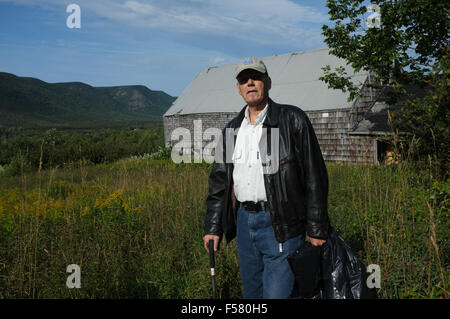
{"x": 409, "y": 47}
{"x": 428, "y": 118}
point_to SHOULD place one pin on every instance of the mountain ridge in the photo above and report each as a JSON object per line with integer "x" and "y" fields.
{"x": 31, "y": 102}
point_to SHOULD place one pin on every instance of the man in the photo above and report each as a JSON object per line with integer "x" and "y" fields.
{"x": 268, "y": 210}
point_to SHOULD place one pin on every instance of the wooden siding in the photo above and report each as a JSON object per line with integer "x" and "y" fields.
{"x": 331, "y": 127}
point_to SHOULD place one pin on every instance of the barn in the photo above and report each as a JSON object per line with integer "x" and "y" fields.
{"x": 345, "y": 132}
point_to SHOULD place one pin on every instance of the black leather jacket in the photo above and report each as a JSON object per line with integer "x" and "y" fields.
{"x": 296, "y": 192}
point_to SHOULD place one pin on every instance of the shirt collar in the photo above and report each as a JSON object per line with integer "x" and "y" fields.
{"x": 259, "y": 118}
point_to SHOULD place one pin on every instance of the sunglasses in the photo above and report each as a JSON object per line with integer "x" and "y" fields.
{"x": 255, "y": 77}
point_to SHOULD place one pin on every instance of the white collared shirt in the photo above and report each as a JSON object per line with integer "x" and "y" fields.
{"x": 248, "y": 172}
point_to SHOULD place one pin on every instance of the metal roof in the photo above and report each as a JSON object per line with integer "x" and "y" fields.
{"x": 295, "y": 80}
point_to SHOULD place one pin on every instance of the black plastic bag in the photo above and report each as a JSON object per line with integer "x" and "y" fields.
{"x": 341, "y": 275}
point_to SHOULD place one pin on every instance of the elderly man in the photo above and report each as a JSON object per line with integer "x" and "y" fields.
{"x": 269, "y": 211}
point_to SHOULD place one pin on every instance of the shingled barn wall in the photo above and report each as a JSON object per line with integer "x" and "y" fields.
{"x": 331, "y": 127}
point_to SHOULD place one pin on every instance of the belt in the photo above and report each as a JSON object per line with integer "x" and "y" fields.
{"x": 254, "y": 207}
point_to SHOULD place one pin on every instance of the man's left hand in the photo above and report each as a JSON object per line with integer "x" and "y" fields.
{"x": 316, "y": 242}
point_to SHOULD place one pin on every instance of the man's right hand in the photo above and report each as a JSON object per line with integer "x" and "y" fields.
{"x": 206, "y": 240}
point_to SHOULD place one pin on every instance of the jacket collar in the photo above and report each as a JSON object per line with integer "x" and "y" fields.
{"x": 271, "y": 116}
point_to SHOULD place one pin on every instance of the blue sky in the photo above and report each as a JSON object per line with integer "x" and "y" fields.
{"x": 162, "y": 44}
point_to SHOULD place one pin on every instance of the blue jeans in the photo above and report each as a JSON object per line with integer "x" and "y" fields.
{"x": 265, "y": 271}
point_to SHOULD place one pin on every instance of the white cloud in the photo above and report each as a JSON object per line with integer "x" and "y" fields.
{"x": 217, "y": 60}
{"x": 140, "y": 8}
{"x": 255, "y": 21}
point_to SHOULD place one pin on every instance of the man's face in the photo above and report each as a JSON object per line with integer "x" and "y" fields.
{"x": 253, "y": 86}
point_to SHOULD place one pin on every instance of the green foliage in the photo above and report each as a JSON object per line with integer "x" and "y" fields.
{"x": 413, "y": 34}
{"x": 427, "y": 120}
{"x": 340, "y": 80}
{"x": 18, "y": 165}
{"x": 410, "y": 49}
{"x": 23, "y": 149}
{"x": 163, "y": 153}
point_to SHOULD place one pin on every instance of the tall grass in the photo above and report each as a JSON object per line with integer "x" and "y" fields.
{"x": 135, "y": 228}
{"x": 392, "y": 216}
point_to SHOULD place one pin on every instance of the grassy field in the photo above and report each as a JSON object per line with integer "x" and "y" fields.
{"x": 135, "y": 228}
